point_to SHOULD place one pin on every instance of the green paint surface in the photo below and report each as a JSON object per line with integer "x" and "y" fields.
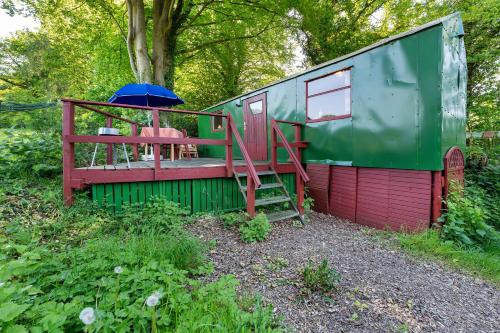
{"x": 197, "y": 195}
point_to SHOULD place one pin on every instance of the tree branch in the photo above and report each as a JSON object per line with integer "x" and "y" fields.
{"x": 9, "y": 81}
{"x": 197, "y": 15}
{"x": 110, "y": 13}
{"x": 224, "y": 40}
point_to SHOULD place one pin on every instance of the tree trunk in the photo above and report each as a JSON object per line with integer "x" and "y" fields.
{"x": 169, "y": 56}
{"x": 137, "y": 41}
{"x": 165, "y": 28}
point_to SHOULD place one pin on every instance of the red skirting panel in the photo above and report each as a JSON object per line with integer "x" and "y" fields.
{"x": 318, "y": 186}
{"x": 381, "y": 198}
{"x": 342, "y": 200}
{"x": 394, "y": 199}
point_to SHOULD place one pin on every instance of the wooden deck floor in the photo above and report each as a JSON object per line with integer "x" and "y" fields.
{"x": 201, "y": 162}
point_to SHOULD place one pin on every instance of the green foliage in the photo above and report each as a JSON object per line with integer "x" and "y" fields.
{"x": 233, "y": 219}
{"x": 465, "y": 220}
{"x": 320, "y": 278}
{"x": 85, "y": 277}
{"x": 308, "y": 203}
{"x": 158, "y": 215}
{"x": 28, "y": 152}
{"x": 484, "y": 262}
{"x": 55, "y": 261}
{"x": 483, "y": 181}
{"x": 256, "y": 229}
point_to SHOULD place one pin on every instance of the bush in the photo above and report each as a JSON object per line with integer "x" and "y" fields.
{"x": 256, "y": 229}
{"x": 30, "y": 153}
{"x": 486, "y": 184}
{"x": 157, "y": 216}
{"x": 321, "y": 278}
{"x": 233, "y": 219}
{"x": 465, "y": 220}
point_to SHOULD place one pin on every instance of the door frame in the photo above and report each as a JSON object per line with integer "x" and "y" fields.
{"x": 247, "y": 113}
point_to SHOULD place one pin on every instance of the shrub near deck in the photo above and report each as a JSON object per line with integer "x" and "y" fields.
{"x": 256, "y": 229}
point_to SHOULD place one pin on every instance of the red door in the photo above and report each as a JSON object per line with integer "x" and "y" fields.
{"x": 255, "y": 127}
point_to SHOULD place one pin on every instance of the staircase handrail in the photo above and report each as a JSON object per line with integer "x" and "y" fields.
{"x": 246, "y": 156}
{"x": 289, "y": 149}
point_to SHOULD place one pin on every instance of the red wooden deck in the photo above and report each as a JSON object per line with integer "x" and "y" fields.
{"x": 196, "y": 168}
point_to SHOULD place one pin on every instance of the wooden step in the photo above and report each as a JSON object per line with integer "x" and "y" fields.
{"x": 271, "y": 200}
{"x": 281, "y": 215}
{"x": 259, "y": 173}
{"x": 265, "y": 186}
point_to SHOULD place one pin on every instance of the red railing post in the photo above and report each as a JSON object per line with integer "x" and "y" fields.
{"x": 135, "y": 147}
{"x": 68, "y": 150}
{"x": 297, "y": 140}
{"x": 437, "y": 196}
{"x": 156, "y": 133}
{"x": 109, "y": 150}
{"x": 274, "y": 145}
{"x": 250, "y": 196}
{"x": 299, "y": 182}
{"x": 229, "y": 147}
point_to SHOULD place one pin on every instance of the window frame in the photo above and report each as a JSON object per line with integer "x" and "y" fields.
{"x": 212, "y": 123}
{"x": 327, "y": 118}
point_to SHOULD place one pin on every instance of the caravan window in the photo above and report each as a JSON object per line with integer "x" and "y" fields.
{"x": 329, "y": 97}
{"x": 217, "y": 122}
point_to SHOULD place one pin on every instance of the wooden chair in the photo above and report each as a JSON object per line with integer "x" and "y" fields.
{"x": 188, "y": 151}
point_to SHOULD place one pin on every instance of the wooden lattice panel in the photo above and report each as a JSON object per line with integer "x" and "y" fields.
{"x": 453, "y": 169}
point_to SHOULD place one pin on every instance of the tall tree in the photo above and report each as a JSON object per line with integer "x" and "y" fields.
{"x": 177, "y": 22}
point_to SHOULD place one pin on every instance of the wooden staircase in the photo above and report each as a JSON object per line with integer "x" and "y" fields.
{"x": 281, "y": 198}
{"x": 253, "y": 183}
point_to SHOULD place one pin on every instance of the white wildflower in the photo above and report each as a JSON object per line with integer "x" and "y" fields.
{"x": 1, "y": 284}
{"x": 87, "y": 316}
{"x": 118, "y": 269}
{"x": 153, "y": 299}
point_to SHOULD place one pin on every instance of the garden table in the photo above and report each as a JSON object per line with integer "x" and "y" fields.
{"x": 165, "y": 132}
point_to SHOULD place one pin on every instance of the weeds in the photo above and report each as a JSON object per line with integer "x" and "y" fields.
{"x": 429, "y": 245}
{"x": 157, "y": 216}
{"x": 233, "y": 219}
{"x": 465, "y": 221}
{"x": 320, "y": 278}
{"x": 256, "y": 229}
{"x": 80, "y": 268}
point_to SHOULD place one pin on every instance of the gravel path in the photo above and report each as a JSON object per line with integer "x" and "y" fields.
{"x": 382, "y": 289}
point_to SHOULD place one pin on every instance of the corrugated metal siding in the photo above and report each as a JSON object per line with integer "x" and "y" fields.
{"x": 318, "y": 186}
{"x": 394, "y": 199}
{"x": 401, "y": 95}
{"x": 343, "y": 182}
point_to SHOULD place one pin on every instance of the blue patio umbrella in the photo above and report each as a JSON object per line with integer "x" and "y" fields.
{"x": 145, "y": 94}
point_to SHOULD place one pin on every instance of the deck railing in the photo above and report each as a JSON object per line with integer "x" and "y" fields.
{"x": 73, "y": 178}
{"x": 295, "y": 156}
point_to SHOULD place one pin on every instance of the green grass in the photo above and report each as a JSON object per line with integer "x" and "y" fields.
{"x": 57, "y": 261}
{"x": 483, "y": 262}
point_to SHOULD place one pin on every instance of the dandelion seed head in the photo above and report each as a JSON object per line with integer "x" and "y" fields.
{"x": 87, "y": 316}
{"x": 118, "y": 269}
{"x": 153, "y": 299}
